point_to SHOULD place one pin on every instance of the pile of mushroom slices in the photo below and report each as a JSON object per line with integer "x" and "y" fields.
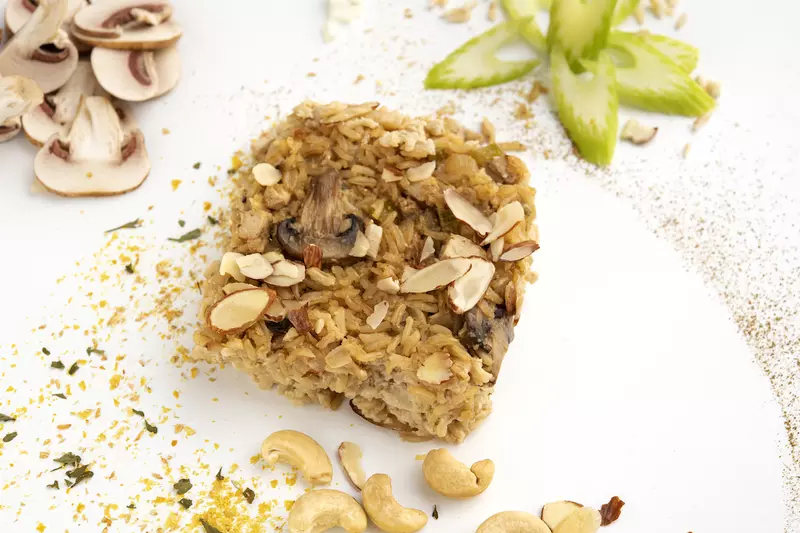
{"x": 323, "y": 233}
{"x": 90, "y": 143}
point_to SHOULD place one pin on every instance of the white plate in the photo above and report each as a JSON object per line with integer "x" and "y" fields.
{"x": 626, "y": 377}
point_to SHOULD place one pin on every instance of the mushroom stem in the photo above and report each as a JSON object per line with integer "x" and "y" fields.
{"x": 321, "y": 214}
{"x": 96, "y": 134}
{"x": 18, "y": 95}
{"x": 41, "y": 28}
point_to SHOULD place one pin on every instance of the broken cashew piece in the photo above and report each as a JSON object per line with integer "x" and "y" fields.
{"x": 321, "y": 510}
{"x": 513, "y": 522}
{"x": 300, "y": 451}
{"x": 583, "y": 520}
{"x": 451, "y": 478}
{"x": 350, "y": 458}
{"x": 384, "y": 510}
{"x": 554, "y": 513}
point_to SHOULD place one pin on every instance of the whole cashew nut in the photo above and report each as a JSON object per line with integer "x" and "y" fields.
{"x": 300, "y": 451}
{"x": 384, "y": 510}
{"x": 513, "y": 522}
{"x": 321, "y": 510}
{"x": 451, "y": 478}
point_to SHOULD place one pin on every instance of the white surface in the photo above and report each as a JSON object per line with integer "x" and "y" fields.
{"x": 626, "y": 377}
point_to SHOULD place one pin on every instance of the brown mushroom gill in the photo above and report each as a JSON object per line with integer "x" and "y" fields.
{"x": 126, "y": 16}
{"x": 30, "y": 5}
{"x": 8, "y": 128}
{"x": 138, "y": 63}
{"x": 50, "y": 53}
{"x": 321, "y": 222}
{"x": 488, "y": 338}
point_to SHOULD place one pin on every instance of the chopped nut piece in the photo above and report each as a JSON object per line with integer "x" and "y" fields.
{"x": 610, "y": 512}
{"x": 466, "y": 212}
{"x": 254, "y": 266}
{"x": 299, "y": 319}
{"x": 319, "y": 326}
{"x": 234, "y": 287}
{"x": 555, "y": 513}
{"x": 239, "y": 310}
{"x": 508, "y": 217}
{"x": 361, "y": 246}
{"x": 713, "y": 88}
{"x": 461, "y": 14}
{"x": 389, "y": 176}
{"x": 427, "y": 250}
{"x": 378, "y": 314}
{"x": 266, "y": 174}
{"x": 374, "y": 234}
{"x": 276, "y": 311}
{"x": 228, "y": 266}
{"x": 637, "y": 133}
{"x": 273, "y": 257}
{"x": 681, "y": 21}
{"x": 388, "y": 285}
{"x": 407, "y": 273}
{"x": 286, "y": 273}
{"x": 583, "y": 520}
{"x": 435, "y": 369}
{"x": 350, "y": 459}
{"x": 686, "y": 148}
{"x": 422, "y": 172}
{"x": 458, "y": 246}
{"x": 518, "y": 251}
{"x": 436, "y": 276}
{"x": 496, "y": 248}
{"x": 312, "y": 256}
{"x": 465, "y": 292}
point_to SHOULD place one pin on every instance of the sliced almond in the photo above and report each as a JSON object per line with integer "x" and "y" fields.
{"x": 239, "y": 310}
{"x": 378, "y": 314}
{"x": 496, "y": 248}
{"x": 276, "y": 311}
{"x": 229, "y": 267}
{"x": 273, "y": 257}
{"x": 583, "y": 520}
{"x": 230, "y": 288}
{"x": 508, "y": 217}
{"x": 299, "y": 319}
{"x": 637, "y": 133}
{"x": 266, "y": 174}
{"x": 436, "y": 276}
{"x": 254, "y": 266}
{"x": 518, "y": 251}
{"x": 286, "y": 273}
{"x": 350, "y": 458}
{"x": 374, "y": 234}
{"x": 466, "y": 212}
{"x": 407, "y": 273}
{"x": 458, "y": 246}
{"x": 554, "y": 513}
{"x": 427, "y": 250}
{"x": 465, "y": 292}
{"x": 361, "y": 246}
{"x": 389, "y": 176}
{"x": 312, "y": 256}
{"x": 422, "y": 172}
{"x": 436, "y": 369}
{"x": 388, "y": 285}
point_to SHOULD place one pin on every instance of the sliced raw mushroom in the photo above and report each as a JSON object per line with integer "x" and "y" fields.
{"x": 127, "y": 25}
{"x": 518, "y": 251}
{"x": 137, "y": 75}
{"x": 56, "y": 113}
{"x": 17, "y": 96}
{"x": 239, "y": 310}
{"x": 97, "y": 158}
{"x": 323, "y": 223}
{"x": 436, "y": 276}
{"x": 465, "y": 292}
{"x": 19, "y": 11}
{"x": 488, "y": 338}
{"x": 466, "y": 212}
{"x": 40, "y": 51}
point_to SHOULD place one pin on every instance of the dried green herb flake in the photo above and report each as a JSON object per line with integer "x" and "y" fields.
{"x": 69, "y": 459}
{"x": 90, "y": 350}
{"x": 249, "y": 495}
{"x": 208, "y": 527}
{"x": 435, "y": 513}
{"x": 213, "y": 221}
{"x": 74, "y": 368}
{"x": 220, "y": 477}
{"x": 80, "y": 473}
{"x": 53, "y": 485}
{"x": 129, "y": 268}
{"x": 6, "y": 418}
{"x": 181, "y": 223}
{"x": 133, "y": 224}
{"x": 189, "y": 236}
{"x": 57, "y": 364}
{"x": 60, "y": 395}
{"x": 45, "y": 351}
{"x": 182, "y": 486}
{"x": 185, "y": 502}
{"x": 149, "y": 427}
{"x": 11, "y": 436}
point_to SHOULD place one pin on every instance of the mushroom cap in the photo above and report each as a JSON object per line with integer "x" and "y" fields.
{"x": 18, "y": 95}
{"x": 19, "y": 11}
{"x": 137, "y": 75}
{"x": 127, "y": 25}
{"x": 97, "y": 158}
{"x": 35, "y": 53}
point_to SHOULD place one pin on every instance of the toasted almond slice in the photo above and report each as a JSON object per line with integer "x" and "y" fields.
{"x": 273, "y": 257}
{"x": 435, "y": 369}
{"x": 508, "y": 217}
{"x": 266, "y": 174}
{"x": 388, "y": 285}
{"x": 239, "y": 310}
{"x": 637, "y": 133}
{"x": 554, "y": 513}
{"x": 378, "y": 314}
{"x": 458, "y": 246}
{"x": 254, "y": 266}
{"x": 374, "y": 234}
{"x": 229, "y": 267}
{"x": 496, "y": 248}
{"x": 422, "y": 172}
{"x": 312, "y": 256}
{"x": 389, "y": 176}
{"x": 427, "y": 250}
{"x": 583, "y": 520}
{"x": 230, "y": 288}
{"x": 518, "y": 251}
{"x": 407, "y": 273}
{"x": 286, "y": 273}
{"x": 361, "y": 246}
{"x": 436, "y": 276}
{"x": 466, "y": 212}
{"x": 350, "y": 458}
{"x": 465, "y": 292}
{"x": 276, "y": 311}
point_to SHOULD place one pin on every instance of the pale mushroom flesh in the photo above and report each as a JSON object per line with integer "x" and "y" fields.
{"x": 19, "y": 11}
{"x": 137, "y": 75}
{"x": 127, "y": 24}
{"x": 17, "y": 96}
